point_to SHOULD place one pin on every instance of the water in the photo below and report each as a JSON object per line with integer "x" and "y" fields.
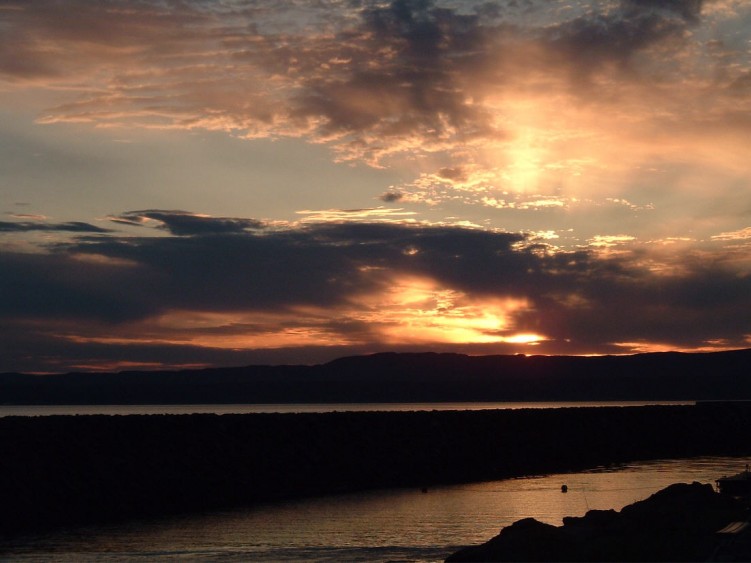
{"x": 391, "y": 525}
{"x": 48, "y": 410}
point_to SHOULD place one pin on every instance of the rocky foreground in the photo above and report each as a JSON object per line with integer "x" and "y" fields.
{"x": 679, "y": 523}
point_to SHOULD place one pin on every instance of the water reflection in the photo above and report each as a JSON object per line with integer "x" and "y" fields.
{"x": 374, "y": 526}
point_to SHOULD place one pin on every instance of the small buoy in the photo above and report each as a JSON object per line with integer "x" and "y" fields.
{"x": 564, "y": 488}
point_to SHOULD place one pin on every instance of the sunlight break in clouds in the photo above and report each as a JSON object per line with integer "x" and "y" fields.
{"x": 418, "y": 311}
{"x": 202, "y": 294}
{"x": 411, "y": 311}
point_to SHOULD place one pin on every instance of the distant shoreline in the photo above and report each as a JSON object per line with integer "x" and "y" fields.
{"x": 300, "y": 408}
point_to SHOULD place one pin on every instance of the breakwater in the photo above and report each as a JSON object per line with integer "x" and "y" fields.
{"x": 62, "y": 470}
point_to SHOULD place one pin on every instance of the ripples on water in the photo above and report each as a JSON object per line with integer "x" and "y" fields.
{"x": 392, "y": 525}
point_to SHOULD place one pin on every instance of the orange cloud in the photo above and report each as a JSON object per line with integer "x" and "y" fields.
{"x": 405, "y": 310}
{"x": 416, "y": 310}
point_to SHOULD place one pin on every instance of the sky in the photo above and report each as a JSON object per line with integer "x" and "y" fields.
{"x": 190, "y": 183}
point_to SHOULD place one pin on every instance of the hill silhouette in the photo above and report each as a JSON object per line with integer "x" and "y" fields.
{"x": 408, "y": 377}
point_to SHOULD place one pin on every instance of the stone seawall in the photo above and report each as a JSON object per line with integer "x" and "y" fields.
{"x": 62, "y": 470}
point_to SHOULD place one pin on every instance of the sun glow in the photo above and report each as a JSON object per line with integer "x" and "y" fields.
{"x": 406, "y": 310}
{"x": 415, "y": 310}
{"x": 523, "y": 172}
{"x": 524, "y": 338}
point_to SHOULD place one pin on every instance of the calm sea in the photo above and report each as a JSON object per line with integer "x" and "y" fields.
{"x": 390, "y": 525}
{"x": 48, "y": 410}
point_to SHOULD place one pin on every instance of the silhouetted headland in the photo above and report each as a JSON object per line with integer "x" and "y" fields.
{"x": 66, "y": 470}
{"x": 678, "y": 523}
{"x": 391, "y": 377}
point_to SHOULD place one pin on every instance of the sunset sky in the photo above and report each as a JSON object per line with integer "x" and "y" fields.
{"x": 193, "y": 183}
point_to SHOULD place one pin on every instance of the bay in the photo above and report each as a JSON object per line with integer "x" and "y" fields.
{"x": 389, "y": 525}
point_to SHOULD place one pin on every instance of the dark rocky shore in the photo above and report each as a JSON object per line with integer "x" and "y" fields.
{"x": 679, "y": 523}
{"x": 64, "y": 470}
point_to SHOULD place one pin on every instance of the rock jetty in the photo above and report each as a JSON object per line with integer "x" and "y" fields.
{"x": 68, "y": 470}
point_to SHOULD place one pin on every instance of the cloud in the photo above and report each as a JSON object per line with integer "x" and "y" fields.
{"x": 28, "y": 216}
{"x": 497, "y": 96}
{"x": 391, "y": 196}
{"x": 379, "y": 214}
{"x": 183, "y": 223}
{"x": 358, "y": 287}
{"x": 588, "y": 42}
{"x": 608, "y": 241}
{"x": 617, "y": 123}
{"x": 71, "y": 226}
{"x": 689, "y": 10}
{"x": 58, "y": 285}
{"x": 401, "y": 79}
{"x": 402, "y": 71}
{"x": 741, "y": 234}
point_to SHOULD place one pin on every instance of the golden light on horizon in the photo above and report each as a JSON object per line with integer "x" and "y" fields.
{"x": 414, "y": 310}
{"x": 653, "y": 347}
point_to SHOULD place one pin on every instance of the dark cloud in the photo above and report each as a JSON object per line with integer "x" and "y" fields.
{"x": 583, "y": 302}
{"x": 403, "y": 71}
{"x": 457, "y": 174}
{"x": 182, "y": 223}
{"x": 72, "y": 227}
{"x": 592, "y": 40}
{"x": 319, "y": 265}
{"x": 391, "y": 196}
{"x": 689, "y": 10}
{"x": 62, "y": 286}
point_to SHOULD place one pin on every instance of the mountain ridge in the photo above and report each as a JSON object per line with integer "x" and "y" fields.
{"x": 408, "y": 377}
